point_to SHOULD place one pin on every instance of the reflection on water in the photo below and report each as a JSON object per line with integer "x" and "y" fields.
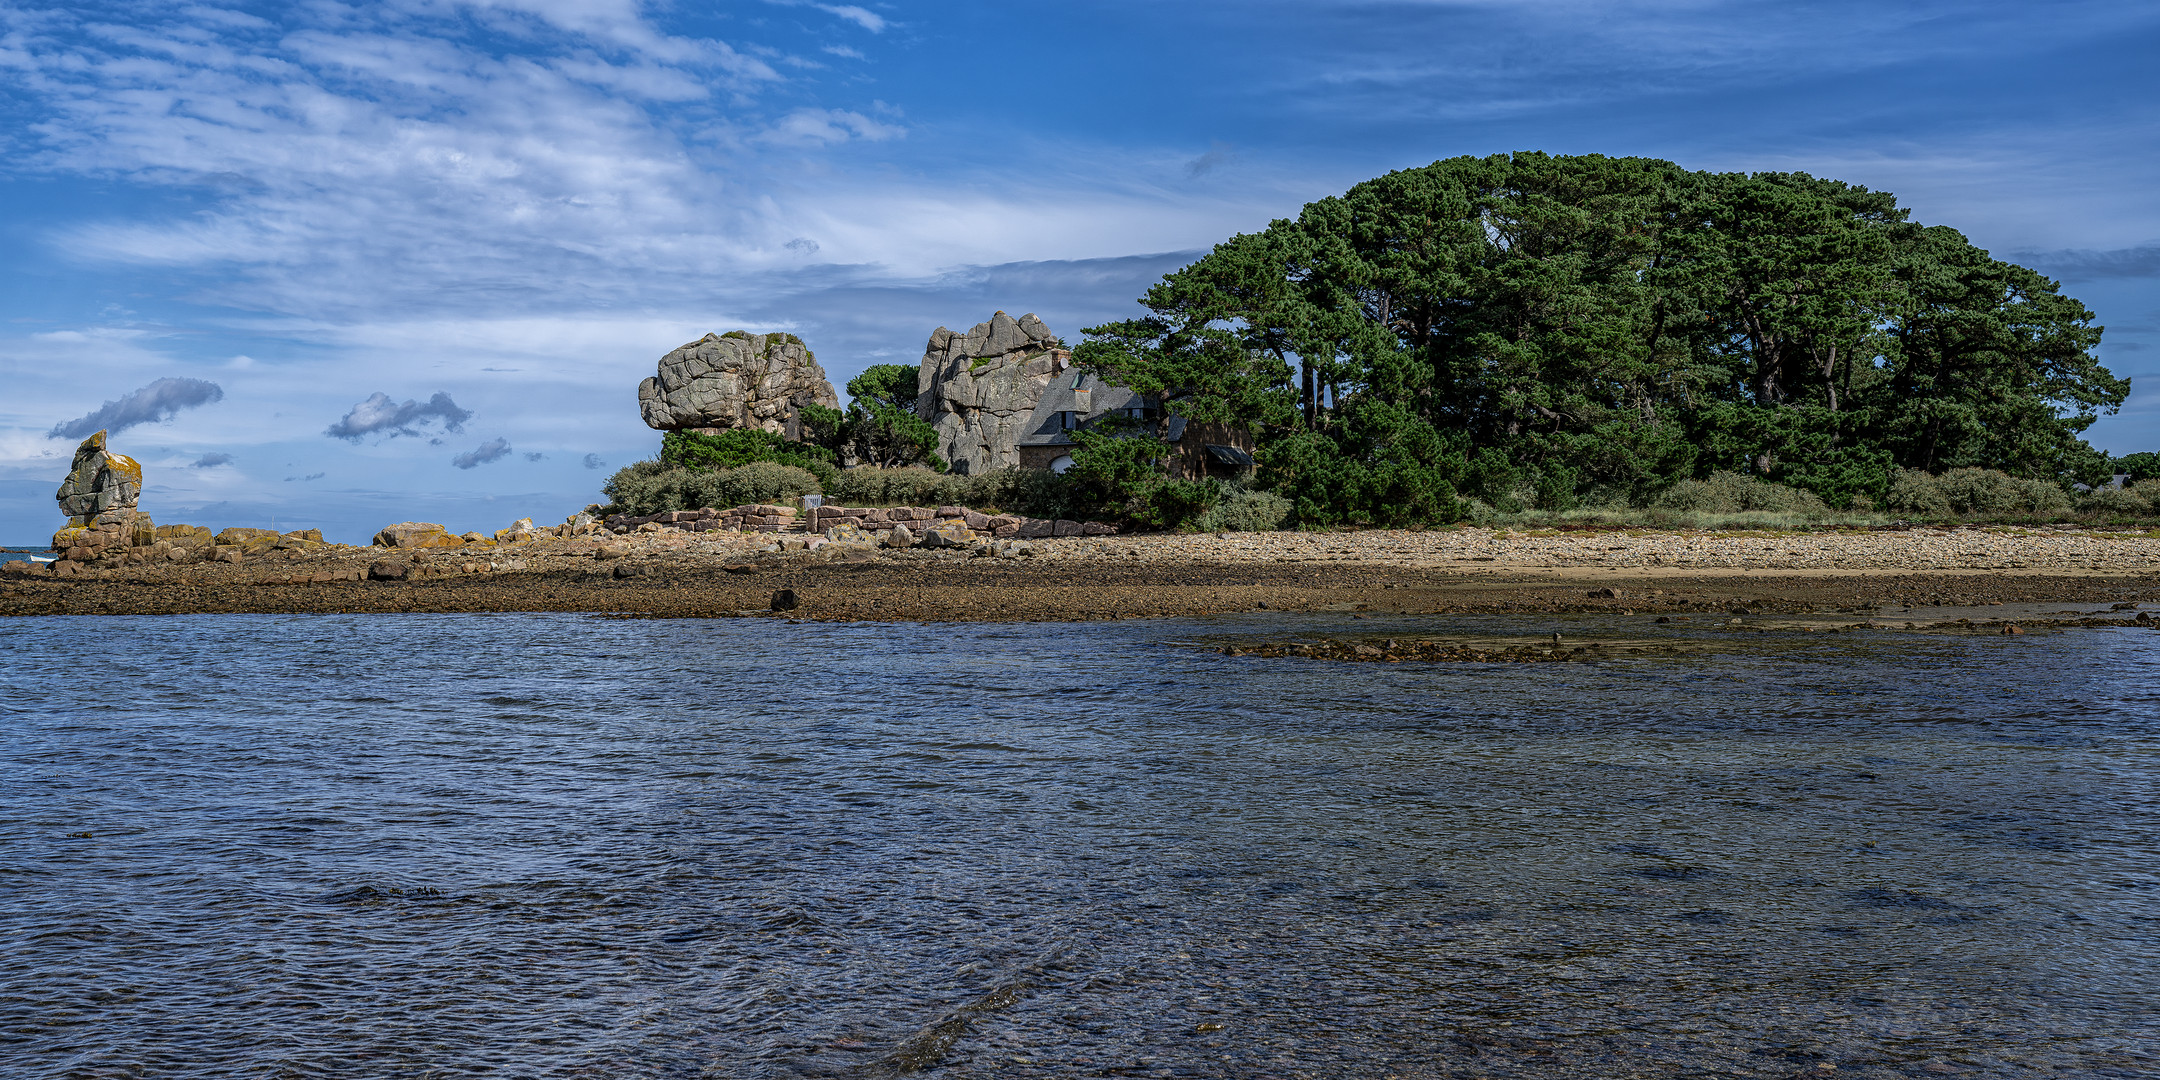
{"x": 563, "y": 846}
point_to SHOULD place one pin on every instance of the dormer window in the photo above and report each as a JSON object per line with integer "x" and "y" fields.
{"x": 1067, "y": 421}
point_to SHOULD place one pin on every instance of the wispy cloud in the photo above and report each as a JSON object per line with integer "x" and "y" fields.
{"x": 161, "y": 400}
{"x": 381, "y": 415}
{"x": 592, "y": 461}
{"x": 863, "y": 17}
{"x": 854, "y": 13}
{"x": 823, "y": 127}
{"x": 211, "y": 461}
{"x": 494, "y": 449}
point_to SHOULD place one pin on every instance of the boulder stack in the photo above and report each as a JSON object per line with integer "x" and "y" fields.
{"x": 978, "y": 388}
{"x": 98, "y": 496}
{"x": 736, "y": 380}
{"x": 101, "y": 487}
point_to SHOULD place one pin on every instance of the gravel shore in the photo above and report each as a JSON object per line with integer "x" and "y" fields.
{"x": 672, "y": 574}
{"x": 1925, "y": 550}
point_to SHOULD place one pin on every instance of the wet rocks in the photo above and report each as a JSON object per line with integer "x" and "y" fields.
{"x": 736, "y": 380}
{"x": 847, "y": 532}
{"x": 951, "y": 533}
{"x": 978, "y": 388}
{"x": 1393, "y": 651}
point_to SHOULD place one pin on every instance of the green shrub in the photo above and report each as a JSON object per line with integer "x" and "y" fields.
{"x": 1735, "y": 493}
{"x": 738, "y": 446}
{"x": 2137, "y": 499}
{"x": 2144, "y": 465}
{"x": 762, "y": 482}
{"x": 1034, "y": 492}
{"x": 867, "y": 485}
{"x": 1171, "y": 504}
{"x": 654, "y": 487}
{"x": 1244, "y": 510}
{"x": 1974, "y": 493}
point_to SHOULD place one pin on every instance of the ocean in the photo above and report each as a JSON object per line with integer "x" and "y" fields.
{"x": 577, "y": 846}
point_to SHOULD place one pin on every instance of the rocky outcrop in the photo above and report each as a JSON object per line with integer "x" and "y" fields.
{"x": 101, "y": 487}
{"x": 736, "y": 380}
{"x": 416, "y": 535}
{"x": 98, "y": 496}
{"x": 978, "y": 388}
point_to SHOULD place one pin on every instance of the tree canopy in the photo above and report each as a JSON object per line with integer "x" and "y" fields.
{"x": 1606, "y": 327}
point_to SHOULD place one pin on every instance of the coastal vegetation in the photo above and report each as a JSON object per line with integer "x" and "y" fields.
{"x": 1531, "y": 337}
{"x": 1537, "y": 332}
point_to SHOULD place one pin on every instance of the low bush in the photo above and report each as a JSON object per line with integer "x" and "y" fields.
{"x": 1244, "y": 510}
{"x": 870, "y": 486}
{"x": 1034, "y": 492}
{"x": 1171, "y": 504}
{"x": 763, "y": 482}
{"x": 2139, "y": 499}
{"x": 654, "y": 487}
{"x": 1738, "y": 493}
{"x": 1974, "y": 493}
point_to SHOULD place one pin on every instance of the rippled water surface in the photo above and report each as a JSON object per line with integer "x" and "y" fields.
{"x": 557, "y": 845}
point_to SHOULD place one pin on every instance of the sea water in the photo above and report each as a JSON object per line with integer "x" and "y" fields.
{"x": 565, "y": 845}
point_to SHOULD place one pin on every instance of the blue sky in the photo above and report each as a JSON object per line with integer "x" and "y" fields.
{"x": 338, "y": 265}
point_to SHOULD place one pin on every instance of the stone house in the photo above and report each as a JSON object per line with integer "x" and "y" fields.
{"x": 1076, "y": 399}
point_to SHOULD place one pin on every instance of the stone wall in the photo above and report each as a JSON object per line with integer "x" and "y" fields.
{"x": 869, "y": 520}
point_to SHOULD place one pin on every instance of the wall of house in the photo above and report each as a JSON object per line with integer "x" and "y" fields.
{"x": 1192, "y": 461}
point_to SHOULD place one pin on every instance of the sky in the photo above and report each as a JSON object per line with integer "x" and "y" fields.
{"x": 335, "y": 265}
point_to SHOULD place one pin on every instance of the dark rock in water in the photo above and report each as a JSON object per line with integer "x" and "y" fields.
{"x": 784, "y": 600}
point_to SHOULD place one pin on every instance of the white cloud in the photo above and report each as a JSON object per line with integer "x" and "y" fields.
{"x": 863, "y": 17}
{"x": 821, "y": 127}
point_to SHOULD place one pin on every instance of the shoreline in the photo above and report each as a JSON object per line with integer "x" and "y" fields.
{"x": 1457, "y": 571}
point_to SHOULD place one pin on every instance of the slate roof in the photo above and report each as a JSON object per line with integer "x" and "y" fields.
{"x": 1066, "y": 394}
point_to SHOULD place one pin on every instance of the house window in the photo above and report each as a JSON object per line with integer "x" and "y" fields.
{"x": 1063, "y": 462}
{"x": 1068, "y": 421}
